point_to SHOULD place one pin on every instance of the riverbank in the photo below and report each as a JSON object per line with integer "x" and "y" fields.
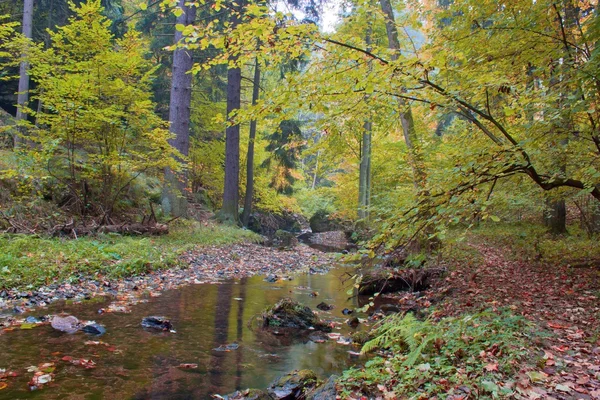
{"x": 37, "y": 271}
{"x": 518, "y": 318}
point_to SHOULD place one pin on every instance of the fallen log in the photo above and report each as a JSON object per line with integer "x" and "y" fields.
{"x": 123, "y": 229}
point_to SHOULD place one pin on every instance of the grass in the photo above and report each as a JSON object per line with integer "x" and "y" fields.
{"x": 27, "y": 262}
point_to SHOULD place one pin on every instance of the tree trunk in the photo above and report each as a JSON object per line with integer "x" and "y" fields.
{"x": 174, "y": 200}
{"x": 364, "y": 179}
{"x": 555, "y": 217}
{"x": 23, "y": 94}
{"x": 229, "y": 210}
{"x": 406, "y": 118}
{"x": 250, "y": 156}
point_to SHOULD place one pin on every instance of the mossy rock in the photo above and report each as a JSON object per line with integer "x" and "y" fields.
{"x": 361, "y": 337}
{"x": 288, "y": 313}
{"x": 326, "y": 391}
{"x": 294, "y": 385}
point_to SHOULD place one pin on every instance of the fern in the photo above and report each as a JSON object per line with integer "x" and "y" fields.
{"x": 396, "y": 332}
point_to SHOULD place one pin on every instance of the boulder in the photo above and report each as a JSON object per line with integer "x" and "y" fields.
{"x": 267, "y": 224}
{"x": 321, "y": 221}
{"x": 293, "y": 386}
{"x": 332, "y": 241}
{"x": 68, "y": 324}
{"x": 288, "y": 313}
{"x": 284, "y": 239}
{"x": 326, "y": 391}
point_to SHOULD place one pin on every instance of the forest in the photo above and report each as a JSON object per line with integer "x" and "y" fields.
{"x": 300, "y": 199}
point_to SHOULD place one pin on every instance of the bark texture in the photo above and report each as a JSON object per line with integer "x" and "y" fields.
{"x": 229, "y": 210}
{"x": 250, "y": 155}
{"x": 179, "y": 116}
{"x": 406, "y": 117}
{"x": 364, "y": 179}
{"x": 23, "y": 94}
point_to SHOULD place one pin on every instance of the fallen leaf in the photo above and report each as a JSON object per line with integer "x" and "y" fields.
{"x": 491, "y": 367}
{"x": 188, "y": 366}
{"x": 562, "y": 388}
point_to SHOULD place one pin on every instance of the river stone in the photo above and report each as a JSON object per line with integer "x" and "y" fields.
{"x": 324, "y": 306}
{"x": 158, "y": 323}
{"x": 68, "y": 324}
{"x": 293, "y": 385}
{"x": 248, "y": 394}
{"x": 94, "y": 329}
{"x": 288, "y": 313}
{"x": 327, "y": 391}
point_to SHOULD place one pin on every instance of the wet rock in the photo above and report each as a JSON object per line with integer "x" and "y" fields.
{"x": 318, "y": 337}
{"x": 227, "y": 347}
{"x": 326, "y": 391}
{"x": 288, "y": 313}
{"x": 347, "y": 311}
{"x": 94, "y": 329}
{"x": 293, "y": 386}
{"x": 157, "y": 323}
{"x": 68, "y": 324}
{"x": 35, "y": 320}
{"x": 248, "y": 394}
{"x": 324, "y": 306}
{"x": 353, "y": 322}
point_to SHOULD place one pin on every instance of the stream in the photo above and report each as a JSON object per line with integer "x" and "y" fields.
{"x": 134, "y": 363}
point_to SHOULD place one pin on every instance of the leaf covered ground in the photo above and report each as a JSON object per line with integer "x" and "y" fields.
{"x": 502, "y": 326}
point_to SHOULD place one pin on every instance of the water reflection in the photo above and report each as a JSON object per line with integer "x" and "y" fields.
{"x": 146, "y": 364}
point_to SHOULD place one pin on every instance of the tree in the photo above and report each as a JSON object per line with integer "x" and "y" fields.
{"x": 98, "y": 131}
{"x": 229, "y": 209}
{"x": 364, "y": 180}
{"x": 179, "y": 111}
{"x": 250, "y": 156}
{"x": 23, "y": 93}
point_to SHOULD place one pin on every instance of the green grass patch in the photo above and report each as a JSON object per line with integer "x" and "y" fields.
{"x": 423, "y": 359}
{"x": 30, "y": 261}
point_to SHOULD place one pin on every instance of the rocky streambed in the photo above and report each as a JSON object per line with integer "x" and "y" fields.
{"x": 211, "y": 347}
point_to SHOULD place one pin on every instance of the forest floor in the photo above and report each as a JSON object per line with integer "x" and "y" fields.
{"x": 560, "y": 351}
{"x": 560, "y": 300}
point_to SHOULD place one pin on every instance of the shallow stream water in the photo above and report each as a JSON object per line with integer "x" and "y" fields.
{"x": 141, "y": 364}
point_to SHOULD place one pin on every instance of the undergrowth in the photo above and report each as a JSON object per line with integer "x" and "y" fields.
{"x": 468, "y": 355}
{"x": 30, "y": 261}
